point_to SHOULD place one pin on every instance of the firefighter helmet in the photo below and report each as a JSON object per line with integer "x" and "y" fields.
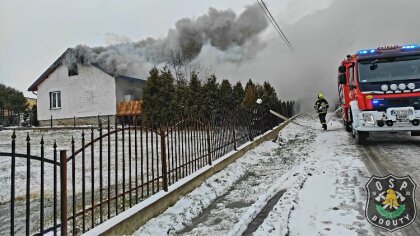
{"x": 320, "y": 96}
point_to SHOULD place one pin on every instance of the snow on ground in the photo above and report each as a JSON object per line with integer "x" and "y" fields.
{"x": 63, "y": 139}
{"x": 319, "y": 177}
{"x": 191, "y": 205}
{"x": 331, "y": 200}
{"x": 242, "y": 188}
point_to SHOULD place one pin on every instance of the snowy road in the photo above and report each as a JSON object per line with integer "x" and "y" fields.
{"x": 396, "y": 154}
{"x": 310, "y": 182}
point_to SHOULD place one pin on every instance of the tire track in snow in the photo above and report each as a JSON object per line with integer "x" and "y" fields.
{"x": 259, "y": 219}
{"x": 245, "y": 200}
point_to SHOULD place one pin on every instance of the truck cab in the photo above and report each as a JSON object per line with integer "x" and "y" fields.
{"x": 379, "y": 90}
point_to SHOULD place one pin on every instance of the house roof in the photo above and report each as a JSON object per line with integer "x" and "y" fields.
{"x": 131, "y": 79}
{"x": 59, "y": 62}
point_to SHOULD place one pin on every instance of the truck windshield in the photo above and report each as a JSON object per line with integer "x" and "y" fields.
{"x": 389, "y": 69}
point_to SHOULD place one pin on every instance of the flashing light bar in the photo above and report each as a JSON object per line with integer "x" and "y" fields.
{"x": 368, "y": 51}
{"x": 411, "y": 46}
{"x": 375, "y": 101}
{"x": 371, "y": 51}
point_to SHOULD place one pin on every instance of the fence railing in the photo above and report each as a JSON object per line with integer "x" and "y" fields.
{"x": 113, "y": 167}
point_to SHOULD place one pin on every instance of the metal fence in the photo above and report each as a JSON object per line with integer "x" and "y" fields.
{"x": 115, "y": 166}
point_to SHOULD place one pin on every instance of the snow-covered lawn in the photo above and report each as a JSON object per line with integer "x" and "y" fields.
{"x": 319, "y": 177}
{"x": 148, "y": 167}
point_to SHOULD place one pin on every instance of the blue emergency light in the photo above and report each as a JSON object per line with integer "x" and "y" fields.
{"x": 378, "y": 102}
{"x": 380, "y": 49}
{"x": 367, "y": 51}
{"x": 411, "y": 46}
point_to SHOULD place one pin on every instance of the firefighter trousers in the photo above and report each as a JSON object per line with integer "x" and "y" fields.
{"x": 322, "y": 119}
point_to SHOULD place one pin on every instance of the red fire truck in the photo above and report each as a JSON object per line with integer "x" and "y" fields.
{"x": 379, "y": 90}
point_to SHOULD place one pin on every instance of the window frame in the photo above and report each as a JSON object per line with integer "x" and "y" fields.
{"x": 55, "y": 100}
{"x": 351, "y": 75}
{"x": 73, "y": 70}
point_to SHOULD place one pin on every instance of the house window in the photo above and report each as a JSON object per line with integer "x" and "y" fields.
{"x": 55, "y": 100}
{"x": 73, "y": 70}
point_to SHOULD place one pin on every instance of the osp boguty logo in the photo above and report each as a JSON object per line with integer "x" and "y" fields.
{"x": 390, "y": 202}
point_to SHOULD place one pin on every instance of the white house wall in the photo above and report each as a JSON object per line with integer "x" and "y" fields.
{"x": 90, "y": 93}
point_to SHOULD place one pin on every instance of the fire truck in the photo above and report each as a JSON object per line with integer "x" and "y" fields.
{"x": 379, "y": 91}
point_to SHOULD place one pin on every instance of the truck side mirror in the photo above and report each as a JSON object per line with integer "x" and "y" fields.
{"x": 342, "y": 79}
{"x": 342, "y": 69}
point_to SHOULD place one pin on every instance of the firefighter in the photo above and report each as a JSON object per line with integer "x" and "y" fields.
{"x": 321, "y": 107}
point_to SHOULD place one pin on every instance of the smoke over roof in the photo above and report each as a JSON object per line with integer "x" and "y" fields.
{"x": 222, "y": 30}
{"x": 322, "y": 38}
{"x": 239, "y": 47}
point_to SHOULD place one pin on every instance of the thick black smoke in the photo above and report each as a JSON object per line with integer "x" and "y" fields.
{"x": 222, "y": 30}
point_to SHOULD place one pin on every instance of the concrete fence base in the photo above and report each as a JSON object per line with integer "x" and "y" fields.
{"x": 132, "y": 219}
{"x": 78, "y": 121}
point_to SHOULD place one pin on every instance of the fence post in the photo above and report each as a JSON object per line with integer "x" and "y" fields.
{"x": 234, "y": 133}
{"x": 63, "y": 191}
{"x": 208, "y": 145}
{"x": 164, "y": 165}
{"x": 12, "y": 185}
{"x": 51, "y": 122}
{"x": 74, "y": 121}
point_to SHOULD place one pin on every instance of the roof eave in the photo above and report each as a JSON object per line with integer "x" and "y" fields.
{"x": 44, "y": 76}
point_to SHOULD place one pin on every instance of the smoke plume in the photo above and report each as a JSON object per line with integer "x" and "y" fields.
{"x": 322, "y": 38}
{"x": 241, "y": 47}
{"x": 222, "y": 30}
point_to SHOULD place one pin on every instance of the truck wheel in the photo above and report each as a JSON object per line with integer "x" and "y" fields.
{"x": 348, "y": 126}
{"x": 361, "y": 137}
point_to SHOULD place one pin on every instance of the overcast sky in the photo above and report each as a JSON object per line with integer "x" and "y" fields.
{"x": 33, "y": 34}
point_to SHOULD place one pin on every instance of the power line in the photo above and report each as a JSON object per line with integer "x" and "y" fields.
{"x": 275, "y": 24}
{"x": 269, "y": 18}
{"x": 278, "y": 27}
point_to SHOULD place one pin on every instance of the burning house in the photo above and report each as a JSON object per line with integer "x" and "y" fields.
{"x": 72, "y": 91}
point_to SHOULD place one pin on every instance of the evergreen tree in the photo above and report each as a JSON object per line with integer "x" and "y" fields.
{"x": 210, "y": 96}
{"x": 249, "y": 84}
{"x": 159, "y": 94}
{"x": 34, "y": 116}
{"x": 195, "y": 95}
{"x": 180, "y": 103}
{"x": 269, "y": 96}
{"x": 250, "y": 95}
{"x": 238, "y": 94}
{"x": 12, "y": 100}
{"x": 259, "y": 91}
{"x": 226, "y": 96}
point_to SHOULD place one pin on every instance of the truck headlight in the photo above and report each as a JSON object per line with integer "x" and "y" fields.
{"x": 369, "y": 119}
{"x": 394, "y": 87}
{"x": 411, "y": 86}
{"x": 402, "y": 86}
{"x": 384, "y": 87}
